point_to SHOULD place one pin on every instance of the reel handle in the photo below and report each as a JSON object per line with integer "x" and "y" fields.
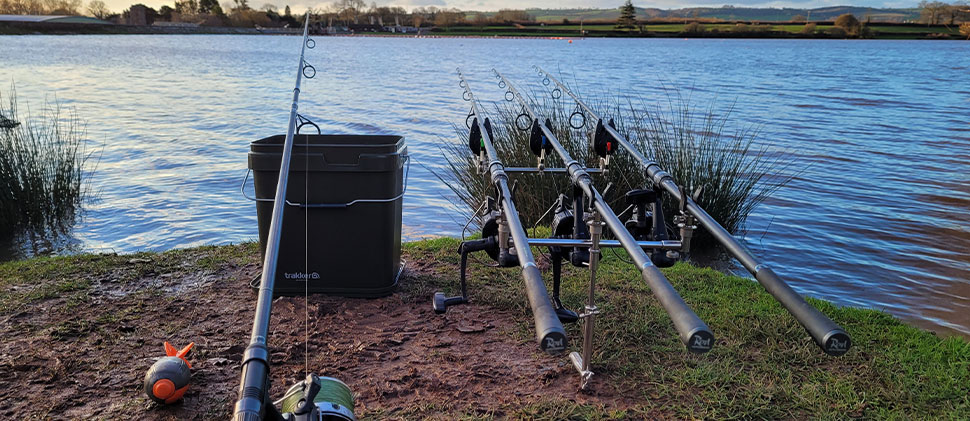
{"x": 311, "y": 386}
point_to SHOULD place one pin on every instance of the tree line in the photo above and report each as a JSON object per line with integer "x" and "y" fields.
{"x": 240, "y": 13}
{"x": 357, "y": 12}
{"x": 941, "y": 13}
{"x": 41, "y": 7}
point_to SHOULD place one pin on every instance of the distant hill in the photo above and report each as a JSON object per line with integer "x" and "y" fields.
{"x": 731, "y": 13}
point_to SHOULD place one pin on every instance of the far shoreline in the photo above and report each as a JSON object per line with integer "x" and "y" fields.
{"x": 719, "y": 30}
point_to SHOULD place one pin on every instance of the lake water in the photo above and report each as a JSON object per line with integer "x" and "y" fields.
{"x": 879, "y": 218}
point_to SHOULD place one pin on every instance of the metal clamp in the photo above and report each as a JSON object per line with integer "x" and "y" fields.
{"x": 407, "y": 171}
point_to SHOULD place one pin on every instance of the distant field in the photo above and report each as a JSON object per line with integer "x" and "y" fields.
{"x": 767, "y": 30}
{"x": 732, "y": 13}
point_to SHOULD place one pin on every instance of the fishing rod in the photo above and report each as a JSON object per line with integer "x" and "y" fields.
{"x": 504, "y": 218}
{"x": 298, "y": 403}
{"x": 694, "y": 333}
{"x": 577, "y": 237}
{"x": 827, "y": 334}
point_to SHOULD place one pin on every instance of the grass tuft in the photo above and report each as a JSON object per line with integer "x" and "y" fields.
{"x": 730, "y": 173}
{"x": 42, "y": 163}
{"x": 701, "y": 151}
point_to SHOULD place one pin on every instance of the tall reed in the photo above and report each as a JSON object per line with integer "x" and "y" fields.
{"x": 733, "y": 175}
{"x": 42, "y": 163}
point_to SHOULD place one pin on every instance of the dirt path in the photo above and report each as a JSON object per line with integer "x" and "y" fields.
{"x": 83, "y": 356}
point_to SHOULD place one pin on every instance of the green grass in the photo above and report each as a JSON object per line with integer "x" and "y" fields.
{"x": 74, "y": 276}
{"x": 764, "y": 365}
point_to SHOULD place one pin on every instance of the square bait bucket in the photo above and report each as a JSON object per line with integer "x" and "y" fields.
{"x": 341, "y": 232}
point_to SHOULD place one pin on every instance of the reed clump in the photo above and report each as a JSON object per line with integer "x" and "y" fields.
{"x": 42, "y": 167}
{"x": 730, "y": 173}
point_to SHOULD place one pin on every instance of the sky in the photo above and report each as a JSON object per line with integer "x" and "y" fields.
{"x": 491, "y": 5}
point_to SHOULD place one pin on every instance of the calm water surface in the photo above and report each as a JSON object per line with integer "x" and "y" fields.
{"x": 879, "y": 218}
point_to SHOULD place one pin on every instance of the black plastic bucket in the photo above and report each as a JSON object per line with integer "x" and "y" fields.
{"x": 351, "y": 245}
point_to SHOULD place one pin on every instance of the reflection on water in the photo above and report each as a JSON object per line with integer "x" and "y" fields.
{"x": 879, "y": 217}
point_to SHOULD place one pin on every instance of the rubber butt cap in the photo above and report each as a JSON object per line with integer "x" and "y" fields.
{"x": 553, "y": 343}
{"x": 836, "y": 343}
{"x": 700, "y": 341}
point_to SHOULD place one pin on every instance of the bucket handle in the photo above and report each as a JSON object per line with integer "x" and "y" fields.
{"x": 407, "y": 171}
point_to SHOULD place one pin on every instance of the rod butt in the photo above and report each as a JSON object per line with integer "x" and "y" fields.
{"x": 829, "y": 336}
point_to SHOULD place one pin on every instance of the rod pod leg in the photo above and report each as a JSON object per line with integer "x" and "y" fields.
{"x": 582, "y": 363}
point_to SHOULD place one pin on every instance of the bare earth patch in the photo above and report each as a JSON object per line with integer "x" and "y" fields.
{"x": 84, "y": 355}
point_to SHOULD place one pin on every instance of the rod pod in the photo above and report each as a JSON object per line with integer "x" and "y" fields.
{"x": 693, "y": 332}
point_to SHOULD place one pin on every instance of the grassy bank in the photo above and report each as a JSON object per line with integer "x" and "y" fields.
{"x": 76, "y": 321}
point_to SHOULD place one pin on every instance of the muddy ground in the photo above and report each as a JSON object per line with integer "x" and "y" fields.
{"x": 83, "y": 353}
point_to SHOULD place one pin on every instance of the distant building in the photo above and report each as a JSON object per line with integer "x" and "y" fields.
{"x": 138, "y": 15}
{"x": 401, "y": 29}
{"x": 364, "y": 28}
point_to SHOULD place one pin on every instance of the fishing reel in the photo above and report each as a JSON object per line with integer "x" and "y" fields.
{"x": 566, "y": 225}
{"x": 494, "y": 242}
{"x": 647, "y": 223}
{"x": 495, "y": 237}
